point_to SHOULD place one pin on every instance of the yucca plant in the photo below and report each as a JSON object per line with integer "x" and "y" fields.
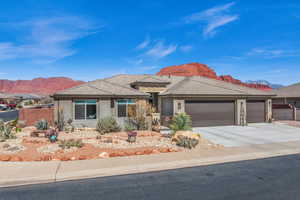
{"x": 42, "y": 124}
{"x": 6, "y": 131}
{"x": 181, "y": 122}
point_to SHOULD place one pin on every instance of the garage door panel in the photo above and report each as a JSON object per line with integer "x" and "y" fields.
{"x": 283, "y": 114}
{"x": 255, "y": 111}
{"x": 211, "y": 113}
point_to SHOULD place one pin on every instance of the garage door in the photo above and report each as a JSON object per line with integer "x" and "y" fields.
{"x": 283, "y": 114}
{"x": 211, "y": 113}
{"x": 255, "y": 111}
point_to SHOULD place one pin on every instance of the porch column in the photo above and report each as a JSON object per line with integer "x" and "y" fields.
{"x": 241, "y": 112}
{"x": 268, "y": 107}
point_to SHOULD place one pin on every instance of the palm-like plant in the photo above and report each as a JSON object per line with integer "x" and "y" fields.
{"x": 181, "y": 122}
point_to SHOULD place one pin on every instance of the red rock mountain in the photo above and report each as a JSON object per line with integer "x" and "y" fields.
{"x": 43, "y": 86}
{"x": 197, "y": 69}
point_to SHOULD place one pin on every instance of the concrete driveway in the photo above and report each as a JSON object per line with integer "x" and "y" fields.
{"x": 234, "y": 136}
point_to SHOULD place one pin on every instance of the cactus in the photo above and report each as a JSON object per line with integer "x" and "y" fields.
{"x": 187, "y": 142}
{"x": 42, "y": 124}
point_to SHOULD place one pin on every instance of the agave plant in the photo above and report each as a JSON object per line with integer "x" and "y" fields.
{"x": 42, "y": 125}
{"x": 181, "y": 122}
{"x": 6, "y": 131}
{"x": 186, "y": 142}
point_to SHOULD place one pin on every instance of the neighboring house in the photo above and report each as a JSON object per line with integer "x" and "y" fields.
{"x": 289, "y": 96}
{"x": 209, "y": 102}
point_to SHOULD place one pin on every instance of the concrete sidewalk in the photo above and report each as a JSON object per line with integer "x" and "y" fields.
{"x": 22, "y": 173}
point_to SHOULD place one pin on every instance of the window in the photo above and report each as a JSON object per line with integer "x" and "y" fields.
{"x": 85, "y": 109}
{"x": 126, "y": 107}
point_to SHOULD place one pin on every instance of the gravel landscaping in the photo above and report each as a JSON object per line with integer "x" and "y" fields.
{"x": 87, "y": 144}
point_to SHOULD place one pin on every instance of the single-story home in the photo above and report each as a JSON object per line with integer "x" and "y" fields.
{"x": 290, "y": 97}
{"x": 208, "y": 101}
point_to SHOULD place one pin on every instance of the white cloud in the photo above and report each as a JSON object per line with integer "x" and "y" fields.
{"x": 186, "y": 48}
{"x": 272, "y": 53}
{"x": 214, "y": 18}
{"x": 160, "y": 50}
{"x": 149, "y": 67}
{"x": 47, "y": 39}
{"x": 144, "y": 44}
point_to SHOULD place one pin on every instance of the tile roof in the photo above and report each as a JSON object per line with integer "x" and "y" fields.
{"x": 179, "y": 85}
{"x": 289, "y": 91}
{"x": 101, "y": 87}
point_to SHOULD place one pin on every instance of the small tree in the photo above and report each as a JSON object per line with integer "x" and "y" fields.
{"x": 60, "y": 123}
{"x": 181, "y": 122}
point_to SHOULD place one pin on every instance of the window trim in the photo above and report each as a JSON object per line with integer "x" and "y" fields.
{"x": 117, "y": 107}
{"x": 85, "y": 109}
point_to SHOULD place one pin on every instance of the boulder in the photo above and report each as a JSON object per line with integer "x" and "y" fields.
{"x": 16, "y": 159}
{"x": 104, "y": 155}
{"x": 5, "y": 157}
{"x": 82, "y": 157}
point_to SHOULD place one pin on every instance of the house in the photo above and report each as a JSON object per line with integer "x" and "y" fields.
{"x": 287, "y": 103}
{"x": 210, "y": 102}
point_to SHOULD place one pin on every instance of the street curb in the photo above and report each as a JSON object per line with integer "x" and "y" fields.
{"x": 135, "y": 169}
{"x": 168, "y": 165}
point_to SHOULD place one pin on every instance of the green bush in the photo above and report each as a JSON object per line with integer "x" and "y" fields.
{"x": 181, "y": 122}
{"x": 67, "y": 144}
{"x": 107, "y": 125}
{"x": 42, "y": 124}
{"x": 6, "y": 131}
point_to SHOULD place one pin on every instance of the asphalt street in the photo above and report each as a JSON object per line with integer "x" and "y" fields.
{"x": 9, "y": 115}
{"x": 272, "y": 178}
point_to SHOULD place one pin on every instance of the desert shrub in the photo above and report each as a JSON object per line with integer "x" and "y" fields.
{"x": 107, "y": 125}
{"x": 67, "y": 144}
{"x": 138, "y": 119}
{"x": 186, "y": 142}
{"x": 129, "y": 126}
{"x": 42, "y": 124}
{"x": 60, "y": 123}
{"x": 69, "y": 128}
{"x": 181, "y": 122}
{"x": 6, "y": 131}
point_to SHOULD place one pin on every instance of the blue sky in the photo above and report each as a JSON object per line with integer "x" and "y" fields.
{"x": 90, "y": 39}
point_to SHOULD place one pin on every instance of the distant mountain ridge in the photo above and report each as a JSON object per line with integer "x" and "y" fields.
{"x": 43, "y": 86}
{"x": 264, "y": 82}
{"x": 198, "y": 69}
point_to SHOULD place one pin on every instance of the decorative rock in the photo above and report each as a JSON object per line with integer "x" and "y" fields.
{"x": 148, "y": 151}
{"x": 64, "y": 158}
{"x": 138, "y": 153}
{"x": 5, "y": 157}
{"x": 155, "y": 151}
{"x": 82, "y": 157}
{"x": 16, "y": 159}
{"x": 104, "y": 155}
{"x": 46, "y": 158}
{"x": 73, "y": 158}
